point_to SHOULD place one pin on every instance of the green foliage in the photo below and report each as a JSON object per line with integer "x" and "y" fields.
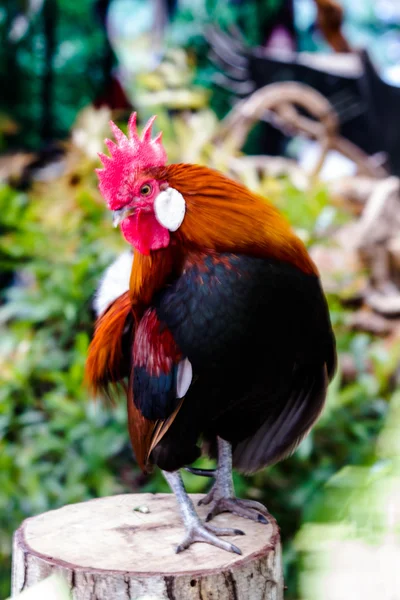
{"x": 53, "y": 61}
{"x": 356, "y": 522}
{"x": 253, "y": 17}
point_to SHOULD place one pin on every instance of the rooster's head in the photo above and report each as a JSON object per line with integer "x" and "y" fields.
{"x": 145, "y": 206}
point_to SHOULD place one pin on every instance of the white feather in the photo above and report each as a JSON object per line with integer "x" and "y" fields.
{"x": 183, "y": 377}
{"x": 169, "y": 208}
{"x": 114, "y": 282}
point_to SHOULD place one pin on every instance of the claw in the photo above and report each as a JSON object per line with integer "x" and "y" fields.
{"x": 242, "y": 508}
{"x": 262, "y": 519}
{"x": 257, "y": 506}
{"x": 206, "y": 533}
{"x": 224, "y": 530}
{"x": 207, "y": 499}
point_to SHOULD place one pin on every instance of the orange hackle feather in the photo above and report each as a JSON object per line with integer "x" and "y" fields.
{"x": 103, "y": 365}
{"x": 149, "y": 274}
{"x": 224, "y": 216}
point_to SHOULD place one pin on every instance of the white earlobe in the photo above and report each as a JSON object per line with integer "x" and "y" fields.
{"x": 169, "y": 208}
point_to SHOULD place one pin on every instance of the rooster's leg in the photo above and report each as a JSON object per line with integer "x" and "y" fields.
{"x": 222, "y": 494}
{"x": 196, "y": 531}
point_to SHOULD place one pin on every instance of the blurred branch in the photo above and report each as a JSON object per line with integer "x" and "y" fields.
{"x": 284, "y": 105}
{"x": 330, "y": 20}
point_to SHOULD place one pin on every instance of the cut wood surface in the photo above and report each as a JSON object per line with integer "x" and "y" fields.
{"x": 107, "y": 550}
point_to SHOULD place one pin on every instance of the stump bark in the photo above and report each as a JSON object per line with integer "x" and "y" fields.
{"x": 107, "y": 550}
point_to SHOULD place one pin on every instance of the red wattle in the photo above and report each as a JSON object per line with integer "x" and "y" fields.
{"x": 144, "y": 232}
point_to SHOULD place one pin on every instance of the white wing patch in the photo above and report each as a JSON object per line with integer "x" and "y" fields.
{"x": 114, "y": 283}
{"x": 184, "y": 377}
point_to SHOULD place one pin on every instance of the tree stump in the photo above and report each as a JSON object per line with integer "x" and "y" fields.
{"x": 106, "y": 549}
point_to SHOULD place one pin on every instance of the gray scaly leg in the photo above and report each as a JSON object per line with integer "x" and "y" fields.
{"x": 222, "y": 494}
{"x": 196, "y": 531}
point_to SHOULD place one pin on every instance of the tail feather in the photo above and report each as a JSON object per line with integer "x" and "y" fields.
{"x": 107, "y": 363}
{"x": 285, "y": 428}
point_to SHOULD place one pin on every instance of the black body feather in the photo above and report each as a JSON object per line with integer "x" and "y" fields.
{"x": 258, "y": 335}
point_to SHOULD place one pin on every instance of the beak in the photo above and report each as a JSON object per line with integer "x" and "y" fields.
{"x": 121, "y": 214}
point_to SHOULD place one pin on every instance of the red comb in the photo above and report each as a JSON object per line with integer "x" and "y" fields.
{"x": 128, "y": 155}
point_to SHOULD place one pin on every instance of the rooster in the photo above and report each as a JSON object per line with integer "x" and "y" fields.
{"x": 222, "y": 334}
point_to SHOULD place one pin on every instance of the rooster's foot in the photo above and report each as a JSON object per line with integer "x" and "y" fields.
{"x": 196, "y": 531}
{"x": 249, "y": 509}
{"x": 222, "y": 495}
{"x": 199, "y": 532}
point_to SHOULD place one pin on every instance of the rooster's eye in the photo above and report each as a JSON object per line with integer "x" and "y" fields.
{"x": 145, "y": 190}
